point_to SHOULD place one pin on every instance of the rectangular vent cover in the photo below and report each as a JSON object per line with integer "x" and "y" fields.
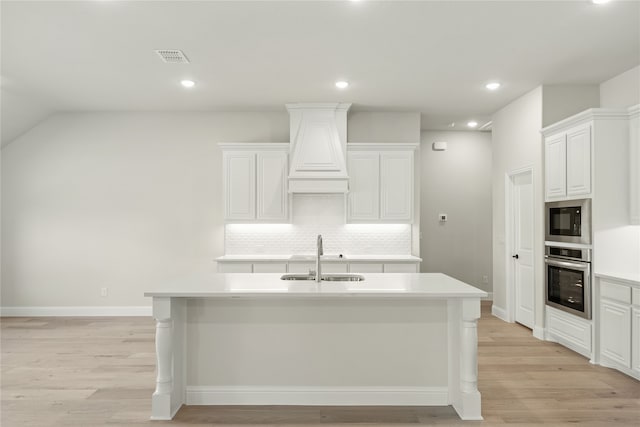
{"x": 172, "y": 56}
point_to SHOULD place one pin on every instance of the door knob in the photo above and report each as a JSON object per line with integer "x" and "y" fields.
{"x": 515, "y": 256}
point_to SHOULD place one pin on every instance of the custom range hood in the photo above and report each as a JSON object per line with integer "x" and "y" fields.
{"x": 318, "y": 138}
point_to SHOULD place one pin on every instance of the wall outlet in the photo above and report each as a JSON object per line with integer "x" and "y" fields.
{"x": 104, "y": 292}
{"x": 485, "y": 279}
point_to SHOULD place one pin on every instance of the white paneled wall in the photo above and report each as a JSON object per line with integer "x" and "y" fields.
{"x": 315, "y": 214}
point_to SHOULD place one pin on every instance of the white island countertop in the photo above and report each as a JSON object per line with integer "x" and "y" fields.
{"x": 375, "y": 285}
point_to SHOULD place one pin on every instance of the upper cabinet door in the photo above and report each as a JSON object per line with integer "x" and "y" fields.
{"x": 555, "y": 155}
{"x": 364, "y": 185}
{"x": 239, "y": 185}
{"x": 579, "y": 160}
{"x": 396, "y": 185}
{"x": 272, "y": 197}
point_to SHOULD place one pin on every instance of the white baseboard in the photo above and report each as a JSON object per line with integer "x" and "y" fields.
{"x": 539, "y": 332}
{"x": 79, "y": 311}
{"x": 331, "y": 396}
{"x": 499, "y": 312}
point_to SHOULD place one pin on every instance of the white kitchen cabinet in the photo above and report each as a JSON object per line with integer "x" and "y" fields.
{"x": 569, "y": 330}
{"x": 618, "y": 319}
{"x": 334, "y": 267}
{"x": 381, "y": 183}
{"x": 396, "y": 186}
{"x": 398, "y": 267}
{"x": 255, "y": 182}
{"x": 271, "y": 185}
{"x": 235, "y": 267}
{"x": 555, "y": 154}
{"x": 635, "y": 340}
{"x": 364, "y": 185}
{"x": 239, "y": 185}
{"x": 270, "y": 267}
{"x": 579, "y": 160}
{"x": 615, "y": 332}
{"x": 634, "y": 160}
{"x": 366, "y": 267}
{"x": 568, "y": 163}
{"x": 301, "y": 267}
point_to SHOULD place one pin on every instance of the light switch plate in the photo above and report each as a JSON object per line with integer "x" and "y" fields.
{"x": 442, "y": 217}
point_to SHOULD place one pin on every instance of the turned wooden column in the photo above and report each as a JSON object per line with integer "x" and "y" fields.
{"x": 161, "y": 399}
{"x": 469, "y": 356}
{"x": 470, "y": 402}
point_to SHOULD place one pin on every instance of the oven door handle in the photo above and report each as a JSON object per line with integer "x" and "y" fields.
{"x": 578, "y": 266}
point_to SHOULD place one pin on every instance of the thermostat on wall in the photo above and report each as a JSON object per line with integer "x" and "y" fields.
{"x": 439, "y": 146}
{"x": 442, "y": 217}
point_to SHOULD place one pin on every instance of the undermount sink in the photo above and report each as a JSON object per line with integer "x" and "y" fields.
{"x": 296, "y": 277}
{"x": 343, "y": 277}
{"x": 325, "y": 277}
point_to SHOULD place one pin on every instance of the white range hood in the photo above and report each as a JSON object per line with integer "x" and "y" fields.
{"x": 318, "y": 148}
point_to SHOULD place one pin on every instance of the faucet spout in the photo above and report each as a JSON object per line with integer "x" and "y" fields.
{"x": 320, "y": 252}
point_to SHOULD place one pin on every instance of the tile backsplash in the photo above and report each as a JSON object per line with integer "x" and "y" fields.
{"x": 315, "y": 214}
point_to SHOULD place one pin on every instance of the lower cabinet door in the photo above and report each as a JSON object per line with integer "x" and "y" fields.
{"x": 365, "y": 267}
{"x": 301, "y": 267}
{"x": 401, "y": 268}
{"x": 270, "y": 267}
{"x": 334, "y": 267}
{"x": 615, "y": 332}
{"x": 635, "y": 339}
{"x": 235, "y": 267}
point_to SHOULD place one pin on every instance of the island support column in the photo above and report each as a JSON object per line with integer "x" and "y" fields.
{"x": 463, "y": 357}
{"x": 169, "y": 396}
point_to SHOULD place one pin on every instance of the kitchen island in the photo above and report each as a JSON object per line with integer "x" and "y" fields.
{"x": 253, "y": 339}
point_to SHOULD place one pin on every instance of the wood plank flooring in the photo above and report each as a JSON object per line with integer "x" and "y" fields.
{"x": 100, "y": 372}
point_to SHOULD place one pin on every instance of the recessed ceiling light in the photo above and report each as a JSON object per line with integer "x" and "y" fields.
{"x": 342, "y": 84}
{"x": 599, "y": 1}
{"x": 188, "y": 83}
{"x": 472, "y": 124}
{"x": 492, "y": 85}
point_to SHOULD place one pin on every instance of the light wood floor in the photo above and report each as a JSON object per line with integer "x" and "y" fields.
{"x": 100, "y": 371}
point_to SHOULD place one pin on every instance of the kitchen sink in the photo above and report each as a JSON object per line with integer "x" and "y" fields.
{"x": 325, "y": 277}
{"x": 342, "y": 277}
{"x": 297, "y": 277}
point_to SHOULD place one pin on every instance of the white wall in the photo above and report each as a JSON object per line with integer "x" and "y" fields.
{"x": 19, "y": 111}
{"x": 116, "y": 200}
{"x": 517, "y": 143}
{"x": 618, "y": 248}
{"x": 120, "y": 200}
{"x": 562, "y": 101}
{"x": 622, "y": 90}
{"x": 457, "y": 182}
{"x": 365, "y": 126}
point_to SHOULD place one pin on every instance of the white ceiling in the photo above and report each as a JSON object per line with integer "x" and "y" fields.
{"x": 428, "y": 56}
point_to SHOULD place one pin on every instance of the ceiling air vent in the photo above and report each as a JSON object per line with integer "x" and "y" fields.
{"x": 172, "y": 56}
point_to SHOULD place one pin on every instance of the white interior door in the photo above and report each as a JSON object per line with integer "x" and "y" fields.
{"x": 522, "y": 256}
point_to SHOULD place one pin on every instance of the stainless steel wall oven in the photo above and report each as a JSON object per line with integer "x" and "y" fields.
{"x": 568, "y": 280}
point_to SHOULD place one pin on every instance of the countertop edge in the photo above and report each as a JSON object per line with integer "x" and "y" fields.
{"x": 287, "y": 258}
{"x": 629, "y": 281}
{"x": 288, "y": 295}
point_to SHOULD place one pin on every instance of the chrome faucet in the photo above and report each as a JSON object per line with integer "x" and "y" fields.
{"x": 320, "y": 252}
